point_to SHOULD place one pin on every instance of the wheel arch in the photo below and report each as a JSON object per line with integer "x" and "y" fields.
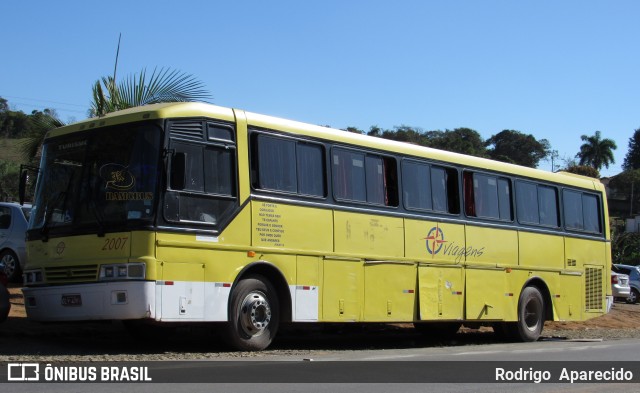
{"x": 276, "y": 278}
{"x": 541, "y": 286}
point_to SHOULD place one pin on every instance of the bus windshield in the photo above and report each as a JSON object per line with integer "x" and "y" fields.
{"x": 98, "y": 180}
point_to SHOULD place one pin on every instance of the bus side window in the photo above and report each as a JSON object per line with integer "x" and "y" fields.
{"x": 363, "y": 177}
{"x": 349, "y": 175}
{"x": 548, "y": 201}
{"x": 591, "y": 213}
{"x": 572, "y": 203}
{"x": 527, "y": 203}
{"x": 487, "y": 196}
{"x": 581, "y": 211}
{"x": 288, "y": 165}
{"x": 416, "y": 184}
{"x": 537, "y": 204}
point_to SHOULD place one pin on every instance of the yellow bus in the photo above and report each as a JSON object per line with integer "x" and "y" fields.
{"x": 191, "y": 212}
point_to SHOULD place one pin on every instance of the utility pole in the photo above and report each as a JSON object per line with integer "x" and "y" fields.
{"x": 554, "y": 156}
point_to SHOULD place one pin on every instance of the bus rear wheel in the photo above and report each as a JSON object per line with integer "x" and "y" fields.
{"x": 254, "y": 314}
{"x": 530, "y": 317}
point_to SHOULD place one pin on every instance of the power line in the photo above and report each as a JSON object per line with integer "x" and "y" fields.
{"x": 40, "y": 100}
{"x": 57, "y": 109}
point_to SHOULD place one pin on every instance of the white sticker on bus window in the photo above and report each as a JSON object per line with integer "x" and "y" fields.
{"x": 208, "y": 239}
{"x": 358, "y": 163}
{"x": 491, "y": 181}
{"x": 134, "y": 215}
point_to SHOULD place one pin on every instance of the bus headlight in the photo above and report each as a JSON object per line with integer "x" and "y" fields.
{"x": 33, "y": 277}
{"x": 122, "y": 271}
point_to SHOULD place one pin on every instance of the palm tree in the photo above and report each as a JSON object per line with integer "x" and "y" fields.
{"x": 41, "y": 124}
{"x": 596, "y": 152}
{"x": 164, "y": 85}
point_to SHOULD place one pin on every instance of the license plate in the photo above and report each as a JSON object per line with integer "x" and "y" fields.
{"x": 73, "y": 300}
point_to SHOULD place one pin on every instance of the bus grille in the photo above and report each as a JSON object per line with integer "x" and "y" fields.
{"x": 82, "y": 273}
{"x": 593, "y": 289}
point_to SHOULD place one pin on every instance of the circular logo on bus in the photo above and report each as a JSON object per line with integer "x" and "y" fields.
{"x": 60, "y": 248}
{"x": 435, "y": 240}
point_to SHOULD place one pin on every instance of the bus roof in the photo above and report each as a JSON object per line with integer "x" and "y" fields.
{"x": 197, "y": 109}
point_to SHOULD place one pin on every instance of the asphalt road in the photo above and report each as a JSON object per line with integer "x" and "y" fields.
{"x": 325, "y": 370}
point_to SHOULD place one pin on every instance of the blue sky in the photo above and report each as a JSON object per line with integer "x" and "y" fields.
{"x": 554, "y": 69}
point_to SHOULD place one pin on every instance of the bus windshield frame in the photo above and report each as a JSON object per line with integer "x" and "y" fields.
{"x": 103, "y": 180}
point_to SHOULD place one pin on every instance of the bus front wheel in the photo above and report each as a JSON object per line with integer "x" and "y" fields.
{"x": 253, "y": 314}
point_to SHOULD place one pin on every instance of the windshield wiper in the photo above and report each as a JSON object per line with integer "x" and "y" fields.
{"x": 97, "y": 214}
{"x": 48, "y": 210}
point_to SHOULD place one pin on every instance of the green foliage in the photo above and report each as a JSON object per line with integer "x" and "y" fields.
{"x": 354, "y": 130}
{"x": 623, "y": 182}
{"x": 460, "y": 140}
{"x": 164, "y": 85}
{"x": 17, "y": 124}
{"x": 632, "y": 159}
{"x": 517, "y": 148}
{"x": 625, "y": 248}
{"x": 30, "y": 146}
{"x": 9, "y": 179}
{"x": 596, "y": 152}
{"x": 583, "y": 170}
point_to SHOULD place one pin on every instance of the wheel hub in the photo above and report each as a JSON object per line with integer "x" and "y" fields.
{"x": 532, "y": 312}
{"x": 255, "y": 314}
{"x": 9, "y": 264}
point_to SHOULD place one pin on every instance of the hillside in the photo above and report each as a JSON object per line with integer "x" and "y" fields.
{"x": 10, "y": 150}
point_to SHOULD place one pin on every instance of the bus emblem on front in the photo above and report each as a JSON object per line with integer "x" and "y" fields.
{"x": 60, "y": 248}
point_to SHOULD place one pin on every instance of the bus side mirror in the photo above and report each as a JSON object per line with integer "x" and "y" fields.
{"x": 24, "y": 179}
{"x": 178, "y": 171}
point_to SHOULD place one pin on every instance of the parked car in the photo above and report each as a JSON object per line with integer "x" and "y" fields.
{"x": 13, "y": 226}
{"x": 620, "y": 286}
{"x": 5, "y": 304}
{"x": 634, "y": 280}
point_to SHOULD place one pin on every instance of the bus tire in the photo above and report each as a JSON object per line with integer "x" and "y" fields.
{"x": 254, "y": 314}
{"x": 530, "y": 316}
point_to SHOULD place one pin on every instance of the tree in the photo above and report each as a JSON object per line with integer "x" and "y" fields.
{"x": 13, "y": 124}
{"x": 354, "y": 130}
{"x": 8, "y": 180}
{"x": 583, "y": 170}
{"x": 632, "y": 159}
{"x": 42, "y": 122}
{"x": 517, "y": 148}
{"x": 625, "y": 248}
{"x": 627, "y": 183}
{"x": 596, "y": 152}
{"x": 163, "y": 85}
{"x": 400, "y": 133}
{"x": 460, "y": 140}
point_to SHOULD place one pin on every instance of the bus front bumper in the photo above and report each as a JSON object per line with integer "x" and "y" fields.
{"x": 87, "y": 302}
{"x": 609, "y": 303}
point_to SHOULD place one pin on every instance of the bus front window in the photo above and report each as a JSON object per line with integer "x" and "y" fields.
{"x": 98, "y": 180}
